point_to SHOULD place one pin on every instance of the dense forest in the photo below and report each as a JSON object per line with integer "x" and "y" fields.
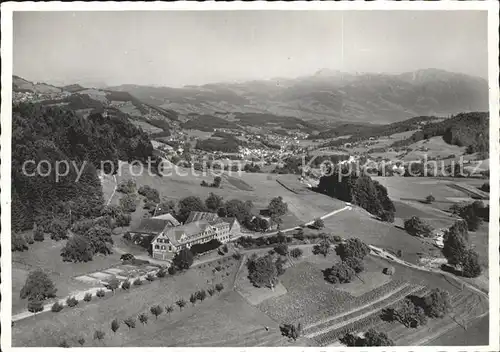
{"x": 469, "y": 130}
{"x": 358, "y": 131}
{"x": 53, "y": 134}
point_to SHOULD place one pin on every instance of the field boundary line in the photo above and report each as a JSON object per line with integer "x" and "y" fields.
{"x": 386, "y": 296}
{"x": 362, "y": 316}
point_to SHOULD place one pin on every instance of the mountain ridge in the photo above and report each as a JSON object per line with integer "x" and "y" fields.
{"x": 329, "y": 96}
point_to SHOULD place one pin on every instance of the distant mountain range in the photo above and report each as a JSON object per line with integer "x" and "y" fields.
{"x": 328, "y": 96}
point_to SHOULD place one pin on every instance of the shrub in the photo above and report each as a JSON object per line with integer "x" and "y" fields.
{"x": 171, "y": 270}
{"x": 161, "y": 273}
{"x": 77, "y": 249}
{"x": 126, "y": 285}
{"x": 417, "y": 227}
{"x": 38, "y": 234}
{"x": 470, "y": 264}
{"x": 87, "y": 297}
{"x": 71, "y": 302}
{"x": 138, "y": 282}
{"x": 262, "y": 271}
{"x": 387, "y": 216}
{"x": 339, "y": 273}
{"x": 322, "y": 248}
{"x": 389, "y": 270}
{"x": 35, "y": 306}
{"x": 355, "y": 263}
{"x": 375, "y": 338}
{"x": 18, "y": 243}
{"x": 100, "y": 293}
{"x": 130, "y": 322}
{"x": 143, "y": 318}
{"x": 219, "y": 287}
{"x": 296, "y": 253}
{"x": 353, "y": 247}
{"x": 57, "y": 307}
{"x": 127, "y": 256}
{"x": 193, "y": 298}
{"x": 113, "y": 284}
{"x": 150, "y": 193}
{"x": 81, "y": 341}
{"x": 181, "y": 303}
{"x": 115, "y": 325}
{"x": 58, "y": 229}
{"x": 318, "y": 223}
{"x": 183, "y": 259}
{"x": 429, "y": 199}
{"x": 126, "y": 186}
{"x": 29, "y": 238}
{"x": 337, "y": 239}
{"x": 291, "y": 331}
{"x": 150, "y": 277}
{"x": 281, "y": 249}
{"x": 410, "y": 315}
{"x": 38, "y": 285}
{"x": 437, "y": 303}
{"x": 156, "y": 311}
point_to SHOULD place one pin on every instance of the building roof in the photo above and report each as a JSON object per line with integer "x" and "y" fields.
{"x": 229, "y": 220}
{"x": 200, "y": 215}
{"x": 190, "y": 229}
{"x": 153, "y": 226}
{"x": 168, "y": 217}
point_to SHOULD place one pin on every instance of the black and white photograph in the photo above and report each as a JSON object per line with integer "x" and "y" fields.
{"x": 255, "y": 175}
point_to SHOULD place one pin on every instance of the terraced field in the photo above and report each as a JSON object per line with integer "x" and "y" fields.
{"x": 465, "y": 307}
{"x": 329, "y": 330}
{"x": 310, "y": 298}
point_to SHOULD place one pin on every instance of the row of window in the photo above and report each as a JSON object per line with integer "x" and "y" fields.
{"x": 163, "y": 247}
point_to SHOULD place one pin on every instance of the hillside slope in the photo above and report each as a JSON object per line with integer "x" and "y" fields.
{"x": 330, "y": 96}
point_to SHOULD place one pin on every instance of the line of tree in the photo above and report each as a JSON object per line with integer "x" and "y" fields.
{"x": 414, "y": 311}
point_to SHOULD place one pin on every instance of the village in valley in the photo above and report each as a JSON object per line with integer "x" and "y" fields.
{"x": 252, "y": 214}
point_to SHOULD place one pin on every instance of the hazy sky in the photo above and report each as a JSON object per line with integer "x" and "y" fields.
{"x": 177, "y": 48}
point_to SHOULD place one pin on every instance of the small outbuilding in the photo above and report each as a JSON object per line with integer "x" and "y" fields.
{"x": 389, "y": 270}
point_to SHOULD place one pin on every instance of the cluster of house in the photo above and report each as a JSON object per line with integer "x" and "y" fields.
{"x": 170, "y": 236}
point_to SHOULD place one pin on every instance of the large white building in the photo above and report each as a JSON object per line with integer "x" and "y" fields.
{"x": 199, "y": 228}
